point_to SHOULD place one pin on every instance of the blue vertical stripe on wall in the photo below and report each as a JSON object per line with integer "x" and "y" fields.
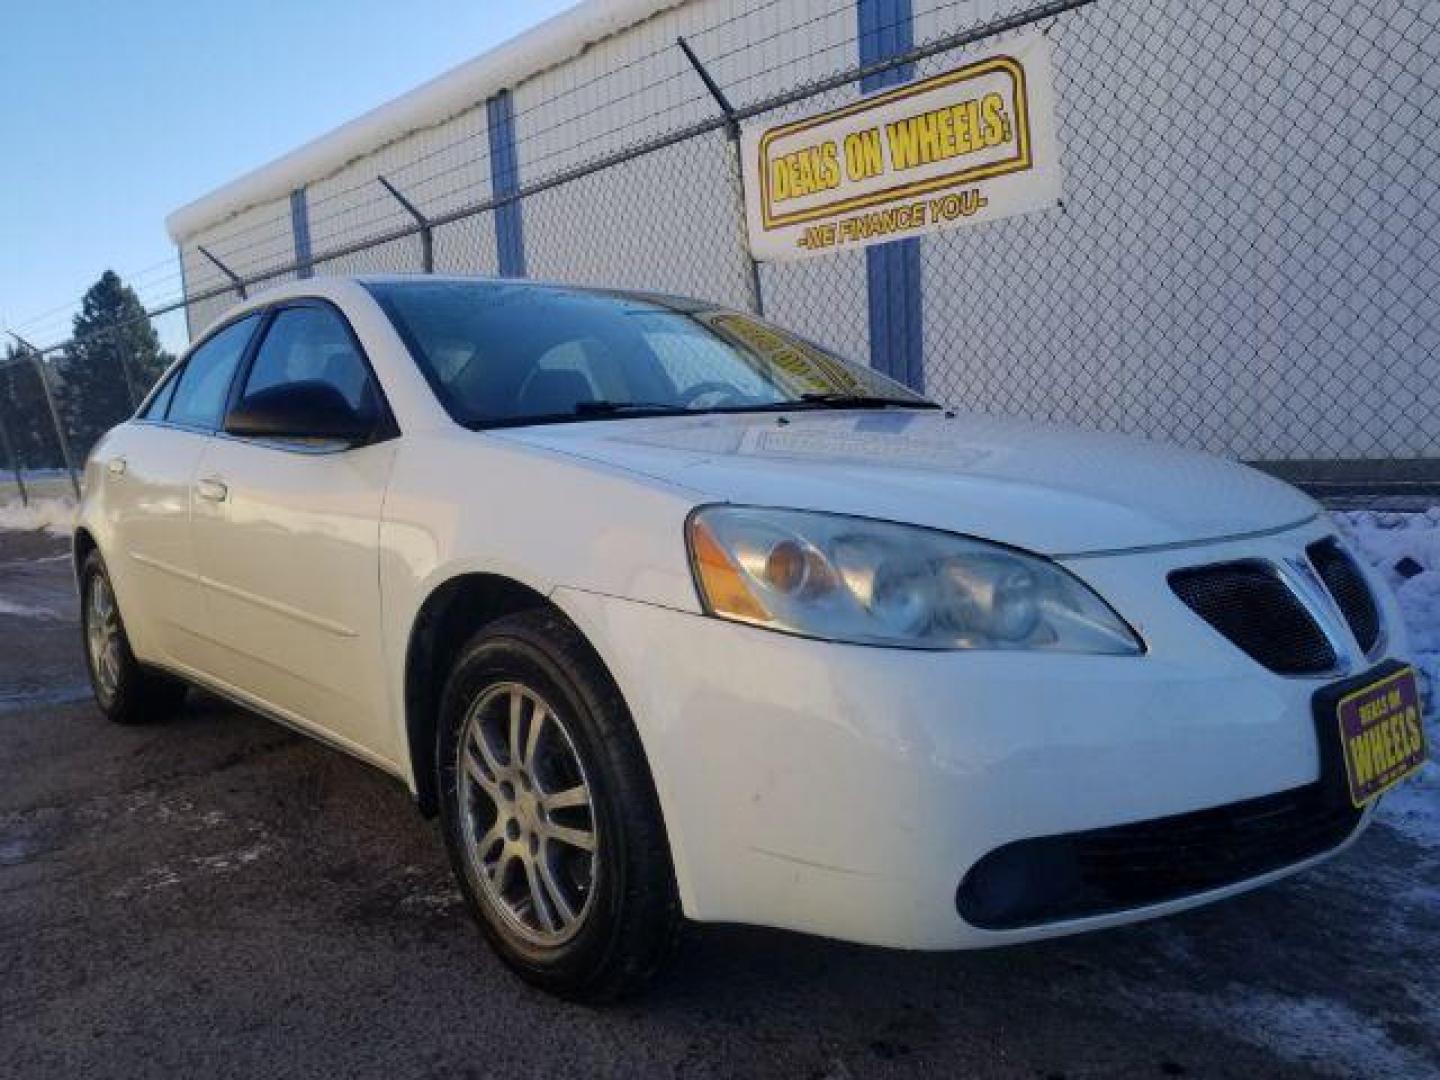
{"x": 887, "y": 28}
{"x": 892, "y": 271}
{"x": 505, "y": 180}
{"x": 300, "y": 228}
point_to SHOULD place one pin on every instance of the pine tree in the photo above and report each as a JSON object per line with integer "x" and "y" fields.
{"x": 111, "y": 363}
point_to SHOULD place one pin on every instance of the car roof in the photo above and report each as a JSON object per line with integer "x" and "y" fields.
{"x": 678, "y": 303}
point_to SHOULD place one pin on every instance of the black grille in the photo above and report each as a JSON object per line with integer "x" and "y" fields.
{"x": 1347, "y": 585}
{"x": 1032, "y": 882}
{"x": 1256, "y": 611}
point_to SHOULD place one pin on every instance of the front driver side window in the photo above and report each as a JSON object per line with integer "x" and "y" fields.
{"x": 312, "y": 344}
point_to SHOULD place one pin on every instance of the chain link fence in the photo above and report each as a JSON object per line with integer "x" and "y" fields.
{"x": 1246, "y": 260}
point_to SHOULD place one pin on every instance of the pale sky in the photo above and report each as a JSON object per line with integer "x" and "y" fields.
{"x": 116, "y": 114}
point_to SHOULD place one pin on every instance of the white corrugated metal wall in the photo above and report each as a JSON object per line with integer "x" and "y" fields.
{"x": 1228, "y": 272}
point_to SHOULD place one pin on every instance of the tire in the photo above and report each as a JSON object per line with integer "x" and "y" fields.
{"x": 126, "y": 691}
{"x": 621, "y": 892}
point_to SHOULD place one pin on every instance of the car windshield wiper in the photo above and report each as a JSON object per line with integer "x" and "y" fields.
{"x": 608, "y": 408}
{"x": 840, "y": 400}
{"x": 580, "y": 411}
{"x": 601, "y": 409}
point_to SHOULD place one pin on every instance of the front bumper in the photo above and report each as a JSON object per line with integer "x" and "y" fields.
{"x": 847, "y": 790}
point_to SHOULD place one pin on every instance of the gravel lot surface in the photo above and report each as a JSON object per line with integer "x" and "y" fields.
{"x": 216, "y": 896}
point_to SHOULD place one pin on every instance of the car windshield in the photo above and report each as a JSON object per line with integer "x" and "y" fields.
{"x": 505, "y": 353}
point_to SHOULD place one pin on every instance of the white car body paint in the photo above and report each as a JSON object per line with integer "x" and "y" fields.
{"x": 835, "y": 789}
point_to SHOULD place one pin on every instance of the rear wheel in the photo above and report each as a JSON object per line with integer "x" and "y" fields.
{"x": 126, "y": 691}
{"x": 550, "y": 814}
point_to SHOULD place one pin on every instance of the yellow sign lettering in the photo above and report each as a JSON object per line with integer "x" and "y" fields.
{"x": 806, "y": 171}
{"x": 1412, "y": 726}
{"x": 864, "y": 156}
{"x": 941, "y": 134}
{"x": 1364, "y": 761}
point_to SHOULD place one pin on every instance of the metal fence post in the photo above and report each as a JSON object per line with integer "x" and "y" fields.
{"x": 427, "y": 236}
{"x": 235, "y": 279}
{"x": 732, "y": 127}
{"x": 9, "y": 448}
{"x": 131, "y": 390}
{"x": 38, "y": 359}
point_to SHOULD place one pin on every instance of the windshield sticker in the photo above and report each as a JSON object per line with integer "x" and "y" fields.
{"x": 794, "y": 365}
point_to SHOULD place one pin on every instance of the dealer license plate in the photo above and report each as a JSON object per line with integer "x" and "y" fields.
{"x": 1381, "y": 734}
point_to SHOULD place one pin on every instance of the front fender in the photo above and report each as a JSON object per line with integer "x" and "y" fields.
{"x": 461, "y": 503}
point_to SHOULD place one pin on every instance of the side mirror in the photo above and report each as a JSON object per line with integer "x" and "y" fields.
{"x": 300, "y": 410}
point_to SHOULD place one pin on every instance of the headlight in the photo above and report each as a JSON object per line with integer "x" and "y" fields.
{"x": 871, "y": 582}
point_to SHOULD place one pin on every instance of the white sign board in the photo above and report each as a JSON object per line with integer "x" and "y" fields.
{"x": 970, "y": 145}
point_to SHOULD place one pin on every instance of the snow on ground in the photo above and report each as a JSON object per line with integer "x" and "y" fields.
{"x": 1405, "y": 548}
{"x": 1328, "y": 1036}
{"x": 24, "y": 611}
{"x": 39, "y": 483}
{"x": 55, "y": 516}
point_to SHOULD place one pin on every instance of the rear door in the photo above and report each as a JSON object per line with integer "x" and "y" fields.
{"x": 287, "y": 538}
{"x": 149, "y": 481}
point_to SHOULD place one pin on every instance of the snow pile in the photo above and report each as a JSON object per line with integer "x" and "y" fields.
{"x": 55, "y": 516}
{"x": 1405, "y": 548}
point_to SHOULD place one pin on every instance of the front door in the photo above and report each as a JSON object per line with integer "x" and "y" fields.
{"x": 287, "y": 537}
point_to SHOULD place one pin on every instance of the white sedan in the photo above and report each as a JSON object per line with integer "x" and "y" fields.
{"x": 671, "y": 614}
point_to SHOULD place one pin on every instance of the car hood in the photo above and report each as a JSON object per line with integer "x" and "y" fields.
{"x": 1050, "y": 489}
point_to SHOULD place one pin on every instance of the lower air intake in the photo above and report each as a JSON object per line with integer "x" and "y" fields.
{"x": 1053, "y": 878}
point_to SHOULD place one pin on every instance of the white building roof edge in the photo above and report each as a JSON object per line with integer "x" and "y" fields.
{"x": 546, "y": 45}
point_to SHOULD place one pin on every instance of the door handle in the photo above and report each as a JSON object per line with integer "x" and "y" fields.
{"x": 212, "y": 490}
{"x": 116, "y": 467}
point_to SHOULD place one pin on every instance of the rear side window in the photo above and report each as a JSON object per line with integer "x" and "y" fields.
{"x": 204, "y": 385}
{"x": 160, "y": 403}
{"x": 312, "y": 344}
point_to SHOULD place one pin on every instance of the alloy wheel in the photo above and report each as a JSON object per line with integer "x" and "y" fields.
{"x": 530, "y": 830}
{"x": 102, "y": 636}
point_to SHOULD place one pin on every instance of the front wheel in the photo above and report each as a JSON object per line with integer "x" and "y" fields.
{"x": 126, "y": 691}
{"x": 550, "y": 814}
